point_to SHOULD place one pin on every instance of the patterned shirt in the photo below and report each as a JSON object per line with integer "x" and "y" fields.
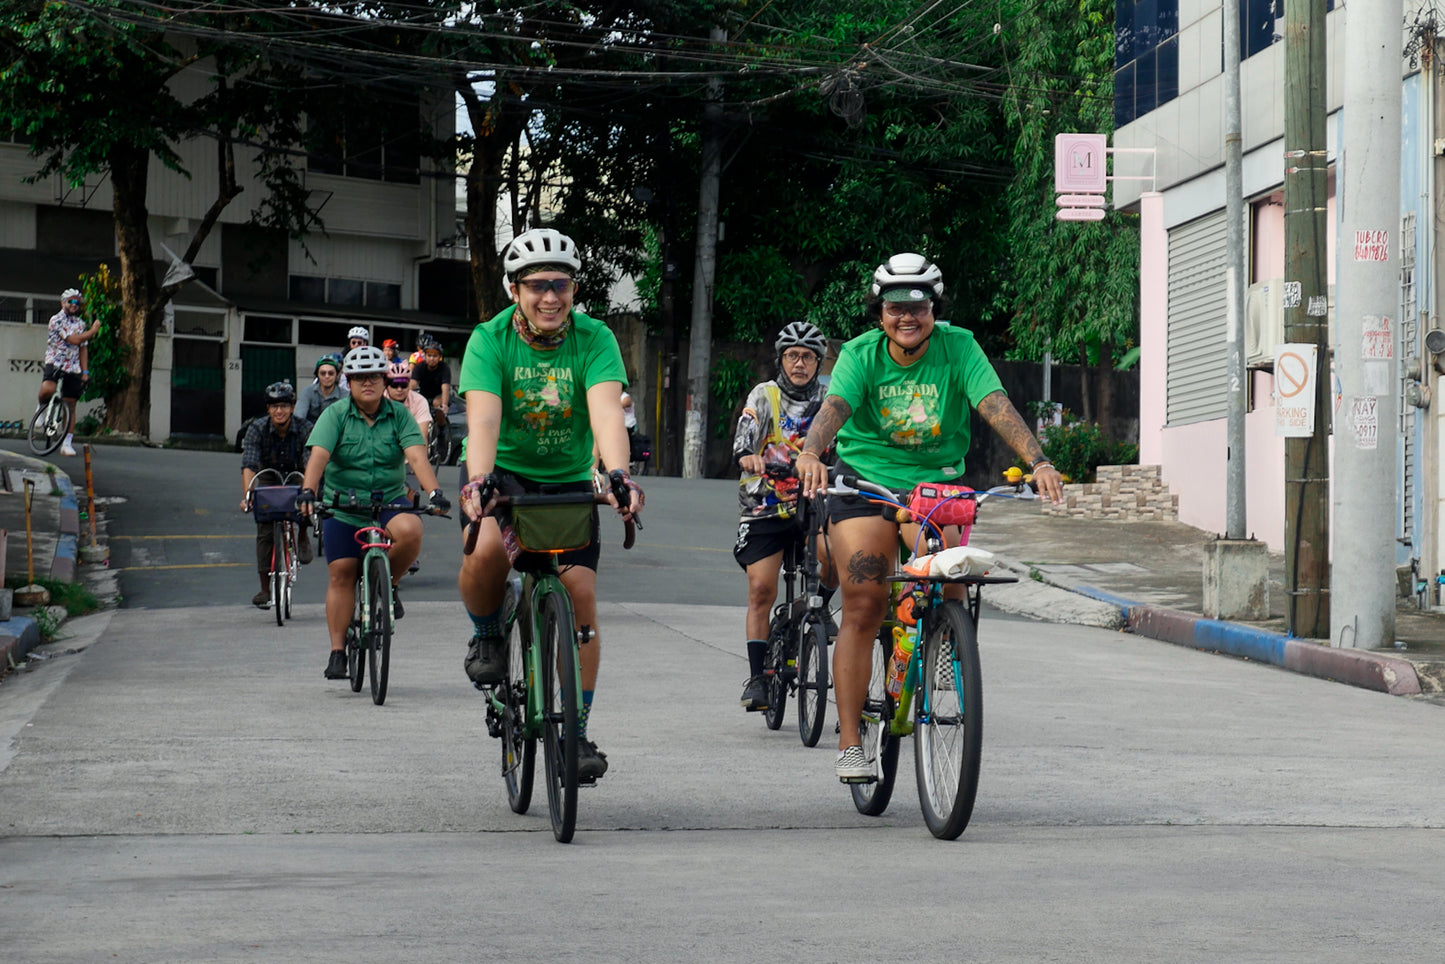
{"x": 265, "y": 448}
{"x": 58, "y": 351}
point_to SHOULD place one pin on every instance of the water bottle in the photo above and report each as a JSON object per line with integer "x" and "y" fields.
{"x": 903, "y": 643}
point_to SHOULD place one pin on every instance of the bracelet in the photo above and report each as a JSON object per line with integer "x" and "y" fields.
{"x": 1035, "y": 466}
{"x": 86, "y": 372}
{"x": 813, "y": 454}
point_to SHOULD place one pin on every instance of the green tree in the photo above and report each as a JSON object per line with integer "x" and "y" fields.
{"x": 97, "y": 89}
{"x": 1073, "y": 288}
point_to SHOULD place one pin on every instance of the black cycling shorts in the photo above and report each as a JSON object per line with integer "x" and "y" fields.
{"x": 71, "y": 384}
{"x": 510, "y": 484}
{"x": 760, "y": 538}
{"x": 842, "y": 507}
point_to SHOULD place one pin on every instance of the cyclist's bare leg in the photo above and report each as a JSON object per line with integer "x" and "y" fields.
{"x": 581, "y": 584}
{"x": 826, "y": 574}
{"x": 864, "y": 549}
{"x": 405, "y": 531}
{"x": 70, "y": 422}
{"x": 482, "y": 579}
{"x": 340, "y": 598}
{"x": 762, "y": 593}
{"x": 47, "y": 389}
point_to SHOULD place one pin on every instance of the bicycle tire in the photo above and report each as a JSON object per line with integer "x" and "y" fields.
{"x": 777, "y": 676}
{"x": 519, "y": 751}
{"x": 948, "y": 718}
{"x": 378, "y": 647}
{"x": 879, "y": 740}
{"x": 812, "y": 679}
{"x": 355, "y": 662}
{"x": 560, "y": 697}
{"x": 47, "y": 426}
{"x": 278, "y": 574}
{"x": 292, "y": 565}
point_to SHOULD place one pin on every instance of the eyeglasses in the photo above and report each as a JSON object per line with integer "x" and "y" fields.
{"x": 539, "y": 286}
{"x": 400, "y": 384}
{"x": 916, "y": 310}
{"x": 364, "y": 378}
{"x": 793, "y": 357}
{"x": 75, "y": 301}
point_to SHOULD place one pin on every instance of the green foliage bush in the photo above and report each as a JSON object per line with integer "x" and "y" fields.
{"x": 1078, "y": 448}
{"x": 732, "y": 378}
{"x": 107, "y": 352}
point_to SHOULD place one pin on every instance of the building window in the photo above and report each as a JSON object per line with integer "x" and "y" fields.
{"x": 262, "y": 328}
{"x": 344, "y": 292}
{"x": 382, "y": 295}
{"x": 379, "y": 140}
{"x": 311, "y": 291}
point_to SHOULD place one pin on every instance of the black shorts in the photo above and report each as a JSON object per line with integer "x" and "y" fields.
{"x": 509, "y": 484}
{"x": 760, "y": 538}
{"x": 842, "y": 507}
{"x": 70, "y": 383}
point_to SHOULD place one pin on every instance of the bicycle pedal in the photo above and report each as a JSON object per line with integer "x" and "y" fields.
{"x": 851, "y": 780}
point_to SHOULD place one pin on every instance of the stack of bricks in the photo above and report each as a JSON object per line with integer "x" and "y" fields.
{"x": 1125, "y": 493}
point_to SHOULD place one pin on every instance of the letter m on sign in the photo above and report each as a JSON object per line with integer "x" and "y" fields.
{"x": 1079, "y": 163}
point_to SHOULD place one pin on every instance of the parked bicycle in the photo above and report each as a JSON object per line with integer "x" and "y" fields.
{"x": 368, "y": 636}
{"x": 940, "y": 701}
{"x": 275, "y": 502}
{"x": 541, "y": 693}
{"x": 47, "y": 426}
{"x": 798, "y": 638}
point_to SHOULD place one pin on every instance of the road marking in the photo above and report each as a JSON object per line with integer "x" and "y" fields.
{"x": 193, "y": 565}
{"x": 242, "y": 535}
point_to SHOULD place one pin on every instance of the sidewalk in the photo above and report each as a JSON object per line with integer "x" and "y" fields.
{"x": 1152, "y": 572}
{"x": 54, "y": 524}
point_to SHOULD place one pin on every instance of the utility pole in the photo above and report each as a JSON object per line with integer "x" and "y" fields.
{"x": 699, "y": 361}
{"x": 1368, "y": 324}
{"x": 1234, "y": 280}
{"x": 1306, "y": 297}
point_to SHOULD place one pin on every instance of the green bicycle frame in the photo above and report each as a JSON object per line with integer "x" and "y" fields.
{"x": 364, "y": 591}
{"x": 535, "y": 589}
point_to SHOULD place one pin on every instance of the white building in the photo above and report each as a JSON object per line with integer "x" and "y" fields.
{"x": 263, "y": 308}
{"x": 1169, "y": 96}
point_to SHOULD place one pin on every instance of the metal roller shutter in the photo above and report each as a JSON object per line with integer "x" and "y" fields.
{"x": 1195, "y": 389}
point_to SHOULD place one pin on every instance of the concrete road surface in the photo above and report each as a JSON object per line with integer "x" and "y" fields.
{"x": 186, "y": 787}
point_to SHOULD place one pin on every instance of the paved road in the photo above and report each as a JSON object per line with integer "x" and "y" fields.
{"x": 187, "y": 787}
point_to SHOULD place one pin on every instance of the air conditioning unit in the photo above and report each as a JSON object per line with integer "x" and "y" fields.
{"x": 1264, "y": 321}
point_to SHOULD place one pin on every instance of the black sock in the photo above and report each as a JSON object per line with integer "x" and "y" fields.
{"x": 757, "y": 653}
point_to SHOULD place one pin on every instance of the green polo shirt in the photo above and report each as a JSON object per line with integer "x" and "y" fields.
{"x": 364, "y": 458}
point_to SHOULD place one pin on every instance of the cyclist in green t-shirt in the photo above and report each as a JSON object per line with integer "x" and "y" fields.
{"x": 541, "y": 381}
{"x": 898, "y": 408}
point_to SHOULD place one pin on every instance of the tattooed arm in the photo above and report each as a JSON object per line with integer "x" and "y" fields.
{"x": 812, "y": 473}
{"x": 1000, "y": 414}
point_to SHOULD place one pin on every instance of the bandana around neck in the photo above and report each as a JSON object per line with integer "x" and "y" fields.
{"x": 546, "y": 341}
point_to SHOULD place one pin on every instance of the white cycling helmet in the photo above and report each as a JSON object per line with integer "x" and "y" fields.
{"x": 909, "y": 271}
{"x": 359, "y": 332}
{"x": 69, "y": 293}
{"x": 540, "y": 246}
{"x": 365, "y": 360}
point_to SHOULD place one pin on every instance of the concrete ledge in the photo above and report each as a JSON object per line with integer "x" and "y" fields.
{"x": 1373, "y": 671}
{"x": 62, "y": 567}
{"x": 18, "y": 636}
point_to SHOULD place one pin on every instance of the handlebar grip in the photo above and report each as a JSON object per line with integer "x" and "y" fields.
{"x": 629, "y": 535}
{"x": 471, "y": 540}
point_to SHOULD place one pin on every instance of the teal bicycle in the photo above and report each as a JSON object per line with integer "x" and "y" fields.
{"x": 368, "y": 636}
{"x": 541, "y": 693}
{"x": 940, "y": 701}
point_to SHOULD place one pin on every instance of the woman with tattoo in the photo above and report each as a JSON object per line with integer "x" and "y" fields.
{"x": 898, "y": 409}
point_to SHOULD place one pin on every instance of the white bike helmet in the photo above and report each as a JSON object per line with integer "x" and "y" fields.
{"x": 365, "y": 360}
{"x": 359, "y": 332}
{"x": 69, "y": 293}
{"x": 909, "y": 270}
{"x": 539, "y": 246}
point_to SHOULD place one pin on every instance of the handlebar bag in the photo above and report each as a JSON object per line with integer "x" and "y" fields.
{"x": 552, "y": 528}
{"x": 943, "y": 503}
{"x": 273, "y": 503}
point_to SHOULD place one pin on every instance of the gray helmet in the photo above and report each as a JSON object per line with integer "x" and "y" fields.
{"x": 797, "y": 334}
{"x": 908, "y": 270}
{"x": 280, "y": 392}
{"x": 365, "y": 360}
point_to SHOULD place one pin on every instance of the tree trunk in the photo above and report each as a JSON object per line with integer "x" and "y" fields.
{"x": 1086, "y": 392}
{"x": 496, "y": 128}
{"x": 1104, "y": 384}
{"x": 130, "y": 410}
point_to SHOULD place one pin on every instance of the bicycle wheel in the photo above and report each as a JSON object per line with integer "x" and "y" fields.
{"x": 378, "y": 647}
{"x": 560, "y": 697}
{"x": 355, "y": 662}
{"x": 779, "y": 668}
{"x": 949, "y": 721}
{"x": 293, "y": 568}
{"x": 278, "y": 571}
{"x": 879, "y": 742}
{"x": 519, "y": 751}
{"x": 47, "y": 426}
{"x": 812, "y": 679}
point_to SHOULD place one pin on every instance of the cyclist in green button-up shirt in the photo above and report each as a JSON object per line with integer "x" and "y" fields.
{"x": 364, "y": 445}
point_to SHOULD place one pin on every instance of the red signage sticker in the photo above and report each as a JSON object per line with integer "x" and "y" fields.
{"x": 1372, "y": 246}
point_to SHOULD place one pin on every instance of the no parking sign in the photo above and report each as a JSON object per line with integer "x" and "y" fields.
{"x": 1294, "y": 390}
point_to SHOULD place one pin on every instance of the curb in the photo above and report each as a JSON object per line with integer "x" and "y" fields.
{"x": 18, "y": 636}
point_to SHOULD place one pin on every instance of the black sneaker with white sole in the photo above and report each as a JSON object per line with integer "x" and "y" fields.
{"x": 336, "y": 665}
{"x": 755, "y": 694}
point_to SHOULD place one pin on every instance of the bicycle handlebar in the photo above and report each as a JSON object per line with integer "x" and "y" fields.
{"x": 556, "y": 498}
{"x": 374, "y": 504}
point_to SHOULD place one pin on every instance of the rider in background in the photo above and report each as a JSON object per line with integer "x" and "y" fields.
{"x": 324, "y": 392}
{"x": 392, "y": 349}
{"x": 432, "y": 379}
{"x": 898, "y": 406}
{"x": 67, "y": 360}
{"x": 361, "y": 447}
{"x": 775, "y": 419}
{"x": 276, "y": 440}
{"x": 541, "y": 381}
{"x": 398, "y": 389}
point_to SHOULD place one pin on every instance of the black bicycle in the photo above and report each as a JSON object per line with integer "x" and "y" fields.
{"x": 797, "y": 658}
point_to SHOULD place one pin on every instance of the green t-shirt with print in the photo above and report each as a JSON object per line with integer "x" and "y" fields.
{"x": 910, "y": 424}
{"x": 546, "y": 431}
{"x": 364, "y": 458}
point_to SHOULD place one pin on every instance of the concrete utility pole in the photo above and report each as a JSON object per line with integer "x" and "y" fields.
{"x": 1368, "y": 325}
{"x": 1235, "y": 278}
{"x": 1306, "y": 297}
{"x": 699, "y": 362}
